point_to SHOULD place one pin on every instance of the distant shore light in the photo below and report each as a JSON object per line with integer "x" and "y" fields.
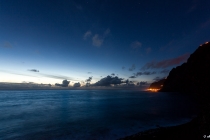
{"x": 153, "y": 89}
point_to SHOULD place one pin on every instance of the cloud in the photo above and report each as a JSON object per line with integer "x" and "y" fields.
{"x": 113, "y": 74}
{"x": 65, "y": 83}
{"x": 10, "y": 72}
{"x": 106, "y": 32}
{"x": 87, "y": 35}
{"x": 89, "y": 72}
{"x": 123, "y": 67}
{"x": 128, "y": 83}
{"x": 97, "y": 41}
{"x": 23, "y": 85}
{"x": 132, "y": 77}
{"x": 133, "y": 67}
{"x": 165, "y": 63}
{"x": 142, "y": 83}
{"x": 38, "y": 74}
{"x": 77, "y": 84}
{"x": 165, "y": 71}
{"x": 156, "y": 78}
{"x": 56, "y": 76}
{"x": 7, "y": 45}
{"x": 144, "y": 73}
{"x": 135, "y": 75}
{"x": 138, "y": 74}
{"x": 136, "y": 45}
{"x": 88, "y": 81}
{"x": 148, "y": 50}
{"x": 206, "y": 24}
{"x": 107, "y": 81}
{"x": 149, "y": 73}
{"x": 33, "y": 70}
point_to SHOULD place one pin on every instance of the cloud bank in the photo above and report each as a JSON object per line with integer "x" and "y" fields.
{"x": 107, "y": 81}
{"x": 56, "y": 76}
{"x": 65, "y": 83}
{"x": 77, "y": 84}
{"x": 165, "y": 63}
{"x": 142, "y": 83}
{"x": 135, "y": 75}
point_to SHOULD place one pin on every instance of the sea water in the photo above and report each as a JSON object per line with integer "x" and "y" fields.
{"x": 88, "y": 114}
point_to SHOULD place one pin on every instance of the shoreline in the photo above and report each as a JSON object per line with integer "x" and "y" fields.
{"x": 189, "y": 130}
{"x": 195, "y": 129}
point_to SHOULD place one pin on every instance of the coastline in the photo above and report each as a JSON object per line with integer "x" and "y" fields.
{"x": 189, "y": 130}
{"x": 195, "y": 129}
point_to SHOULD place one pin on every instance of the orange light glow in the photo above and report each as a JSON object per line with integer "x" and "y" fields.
{"x": 153, "y": 89}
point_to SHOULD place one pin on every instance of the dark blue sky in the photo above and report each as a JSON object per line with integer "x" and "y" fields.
{"x": 65, "y": 39}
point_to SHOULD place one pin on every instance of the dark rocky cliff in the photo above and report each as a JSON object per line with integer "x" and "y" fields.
{"x": 192, "y": 77}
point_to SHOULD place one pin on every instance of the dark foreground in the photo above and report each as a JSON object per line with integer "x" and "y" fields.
{"x": 198, "y": 128}
{"x": 188, "y": 131}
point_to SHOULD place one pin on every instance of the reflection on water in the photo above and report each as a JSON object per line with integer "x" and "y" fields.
{"x": 88, "y": 114}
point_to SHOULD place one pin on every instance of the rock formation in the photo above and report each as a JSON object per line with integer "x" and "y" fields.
{"x": 192, "y": 77}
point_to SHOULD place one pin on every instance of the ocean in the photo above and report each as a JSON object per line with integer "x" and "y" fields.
{"x": 88, "y": 114}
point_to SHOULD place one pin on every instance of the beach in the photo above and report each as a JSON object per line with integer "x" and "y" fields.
{"x": 196, "y": 129}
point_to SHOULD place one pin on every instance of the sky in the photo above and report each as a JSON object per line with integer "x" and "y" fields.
{"x": 48, "y": 41}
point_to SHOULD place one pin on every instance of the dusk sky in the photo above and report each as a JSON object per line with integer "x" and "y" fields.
{"x": 47, "y": 41}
